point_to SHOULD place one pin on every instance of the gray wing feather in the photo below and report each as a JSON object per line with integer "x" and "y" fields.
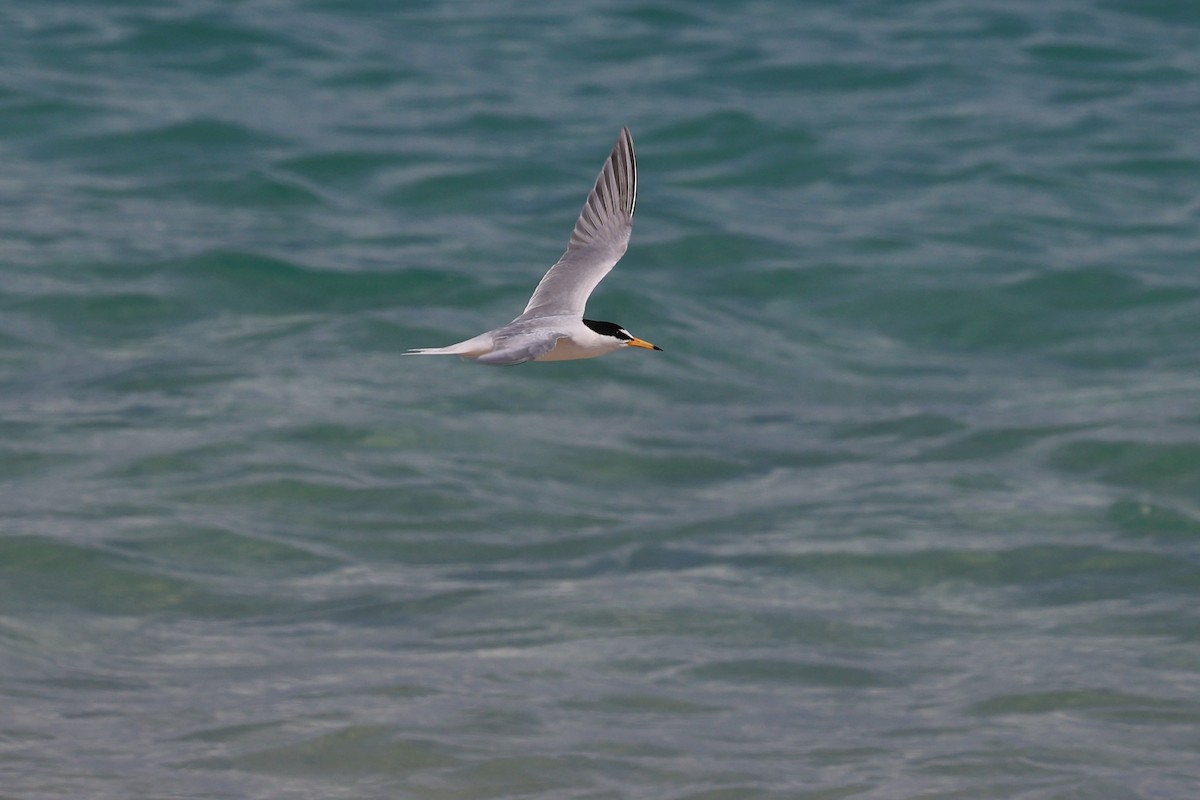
{"x": 599, "y": 240}
{"x": 520, "y": 348}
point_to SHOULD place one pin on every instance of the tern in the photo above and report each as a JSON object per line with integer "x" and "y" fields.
{"x": 552, "y": 326}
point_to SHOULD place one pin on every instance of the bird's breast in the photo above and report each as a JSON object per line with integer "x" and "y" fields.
{"x": 570, "y": 348}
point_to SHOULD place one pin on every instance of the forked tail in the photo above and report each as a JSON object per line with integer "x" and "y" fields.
{"x": 452, "y": 350}
{"x": 471, "y": 348}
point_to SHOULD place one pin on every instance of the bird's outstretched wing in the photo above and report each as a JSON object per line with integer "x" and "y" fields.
{"x": 599, "y": 240}
{"x": 520, "y": 348}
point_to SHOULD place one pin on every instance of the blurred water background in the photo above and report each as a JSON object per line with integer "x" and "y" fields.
{"x": 908, "y": 508}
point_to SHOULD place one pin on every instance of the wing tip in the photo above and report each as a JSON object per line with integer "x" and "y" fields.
{"x": 625, "y": 144}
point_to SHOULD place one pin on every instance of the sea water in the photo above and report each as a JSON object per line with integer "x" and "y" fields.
{"x": 909, "y": 506}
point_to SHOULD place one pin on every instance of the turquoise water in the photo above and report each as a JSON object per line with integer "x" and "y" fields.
{"x": 909, "y": 506}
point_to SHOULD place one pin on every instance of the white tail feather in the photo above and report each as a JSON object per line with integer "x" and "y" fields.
{"x": 471, "y": 348}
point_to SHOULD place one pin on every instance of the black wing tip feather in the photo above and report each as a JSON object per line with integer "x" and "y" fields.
{"x": 617, "y": 182}
{"x": 624, "y": 151}
{"x": 615, "y": 189}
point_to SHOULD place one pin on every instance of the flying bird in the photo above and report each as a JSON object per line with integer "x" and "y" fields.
{"x": 552, "y": 326}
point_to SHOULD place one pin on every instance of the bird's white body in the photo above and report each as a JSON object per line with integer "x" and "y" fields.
{"x": 574, "y": 341}
{"x": 582, "y": 342}
{"x": 552, "y": 327}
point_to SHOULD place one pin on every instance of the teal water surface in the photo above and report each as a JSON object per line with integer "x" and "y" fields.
{"x": 909, "y": 506}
